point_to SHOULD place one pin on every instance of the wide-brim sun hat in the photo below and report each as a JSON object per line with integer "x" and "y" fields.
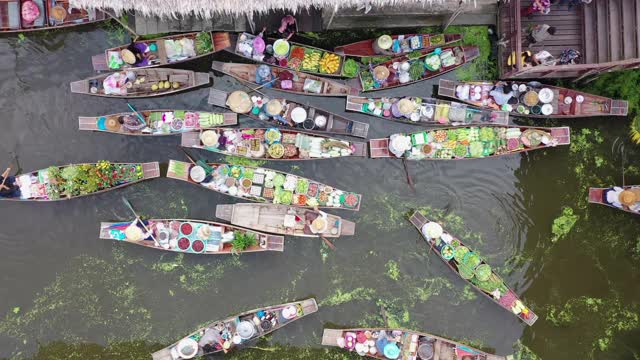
{"x": 58, "y": 13}
{"x": 209, "y": 138}
{"x": 406, "y": 106}
{"x": 128, "y": 56}
{"x": 240, "y": 102}
{"x": 432, "y": 230}
{"x": 628, "y": 197}
{"x": 381, "y": 73}
{"x": 197, "y": 174}
{"x": 274, "y": 107}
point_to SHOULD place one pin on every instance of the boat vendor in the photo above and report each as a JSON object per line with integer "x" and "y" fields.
{"x": 9, "y": 187}
{"x": 623, "y": 199}
{"x": 501, "y": 93}
{"x": 136, "y": 231}
{"x": 118, "y": 82}
{"x": 131, "y": 122}
{"x": 137, "y": 54}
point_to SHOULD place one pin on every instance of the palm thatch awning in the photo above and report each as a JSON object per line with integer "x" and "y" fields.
{"x": 210, "y": 8}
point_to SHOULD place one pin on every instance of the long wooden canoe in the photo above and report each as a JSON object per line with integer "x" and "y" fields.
{"x": 561, "y": 102}
{"x": 427, "y": 43}
{"x": 316, "y": 85}
{"x": 243, "y": 327}
{"x": 283, "y": 219}
{"x": 186, "y": 80}
{"x": 428, "y": 111}
{"x": 266, "y": 185}
{"x": 11, "y": 19}
{"x": 163, "y": 55}
{"x": 409, "y": 344}
{"x": 467, "y": 264}
{"x": 39, "y": 186}
{"x": 463, "y": 143}
{"x": 365, "y": 81}
{"x": 169, "y": 234}
{"x": 159, "y": 122}
{"x": 333, "y": 124}
{"x": 298, "y": 145}
{"x": 289, "y": 62}
{"x": 599, "y": 196}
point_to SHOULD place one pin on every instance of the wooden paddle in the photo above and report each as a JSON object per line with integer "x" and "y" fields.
{"x": 128, "y": 204}
{"x": 137, "y": 114}
{"x": 329, "y": 243}
{"x": 187, "y": 155}
{"x": 406, "y": 170}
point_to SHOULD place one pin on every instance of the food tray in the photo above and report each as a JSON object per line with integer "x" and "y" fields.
{"x": 313, "y": 67}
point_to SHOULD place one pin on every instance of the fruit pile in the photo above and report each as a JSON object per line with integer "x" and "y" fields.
{"x": 329, "y": 63}
{"x": 311, "y": 61}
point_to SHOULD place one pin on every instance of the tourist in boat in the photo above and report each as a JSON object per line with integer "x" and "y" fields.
{"x": 540, "y": 32}
{"x": 9, "y": 187}
{"x": 537, "y": 6}
{"x": 136, "y": 231}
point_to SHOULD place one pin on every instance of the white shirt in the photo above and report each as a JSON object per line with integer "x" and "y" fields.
{"x": 613, "y": 196}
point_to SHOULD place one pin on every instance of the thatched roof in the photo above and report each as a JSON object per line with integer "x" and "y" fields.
{"x": 209, "y": 8}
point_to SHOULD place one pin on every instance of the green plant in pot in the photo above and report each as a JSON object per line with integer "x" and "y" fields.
{"x": 243, "y": 241}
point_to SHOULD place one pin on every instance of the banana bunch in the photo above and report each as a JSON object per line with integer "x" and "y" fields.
{"x": 329, "y": 63}
{"x": 310, "y": 61}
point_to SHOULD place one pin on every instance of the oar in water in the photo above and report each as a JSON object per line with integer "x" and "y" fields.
{"x": 329, "y": 243}
{"x": 406, "y": 170}
{"x": 187, "y": 155}
{"x": 128, "y": 204}
{"x": 138, "y": 114}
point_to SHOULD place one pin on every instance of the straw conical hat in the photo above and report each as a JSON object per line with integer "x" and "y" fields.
{"x": 628, "y": 198}
{"x": 112, "y": 124}
{"x": 385, "y": 42}
{"x": 209, "y": 138}
{"x": 127, "y": 56}
{"x": 380, "y": 72}
{"x": 133, "y": 233}
{"x": 58, "y": 13}
{"x": 406, "y": 106}
{"x": 274, "y": 107}
{"x": 240, "y": 102}
{"x": 319, "y": 224}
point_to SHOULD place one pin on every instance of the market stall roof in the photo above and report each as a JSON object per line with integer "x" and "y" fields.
{"x": 209, "y": 8}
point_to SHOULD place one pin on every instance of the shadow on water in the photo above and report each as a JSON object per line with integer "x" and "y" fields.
{"x": 65, "y": 289}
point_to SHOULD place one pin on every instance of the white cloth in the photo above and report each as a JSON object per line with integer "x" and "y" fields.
{"x": 613, "y": 196}
{"x": 323, "y": 215}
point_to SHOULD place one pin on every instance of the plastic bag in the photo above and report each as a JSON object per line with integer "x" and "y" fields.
{"x": 313, "y": 86}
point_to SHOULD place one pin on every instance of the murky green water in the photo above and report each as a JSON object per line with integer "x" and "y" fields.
{"x": 62, "y": 288}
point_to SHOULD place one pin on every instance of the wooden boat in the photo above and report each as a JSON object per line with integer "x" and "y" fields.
{"x": 599, "y": 196}
{"x": 200, "y": 237}
{"x": 273, "y": 144}
{"x": 301, "y": 83}
{"x": 468, "y": 142}
{"x": 533, "y": 99}
{"x": 185, "y": 79}
{"x": 157, "y": 122}
{"x": 424, "y": 43}
{"x": 243, "y": 327}
{"x": 42, "y": 185}
{"x": 471, "y": 268}
{"x": 454, "y": 57}
{"x": 51, "y": 12}
{"x": 160, "y": 51}
{"x": 315, "y": 119}
{"x": 264, "y": 185}
{"x": 426, "y": 111}
{"x": 242, "y": 45}
{"x": 407, "y": 343}
{"x": 283, "y": 220}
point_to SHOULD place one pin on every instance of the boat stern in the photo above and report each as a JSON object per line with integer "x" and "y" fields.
{"x": 595, "y": 195}
{"x": 330, "y": 337}
{"x": 224, "y": 212}
{"x": 217, "y": 98}
{"x": 99, "y": 62}
{"x": 379, "y": 148}
{"x": 89, "y": 123}
{"x": 347, "y": 228}
{"x": 201, "y": 79}
{"x": 80, "y": 87}
{"x": 447, "y": 88}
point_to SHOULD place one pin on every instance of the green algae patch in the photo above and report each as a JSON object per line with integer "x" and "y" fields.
{"x": 522, "y": 352}
{"x": 195, "y": 277}
{"x": 563, "y": 224}
{"x": 103, "y": 293}
{"x": 339, "y": 297}
{"x": 602, "y": 319}
{"x": 393, "y": 270}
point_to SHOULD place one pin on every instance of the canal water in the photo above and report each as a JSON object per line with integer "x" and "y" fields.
{"x": 60, "y": 283}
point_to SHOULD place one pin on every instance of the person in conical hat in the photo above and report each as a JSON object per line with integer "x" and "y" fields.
{"x": 628, "y": 198}
{"x": 406, "y": 106}
{"x": 240, "y": 102}
{"x": 135, "y": 232}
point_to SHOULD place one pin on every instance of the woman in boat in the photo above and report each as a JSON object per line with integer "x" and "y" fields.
{"x": 501, "y": 93}
{"x": 136, "y": 231}
{"x": 622, "y": 199}
{"x": 9, "y": 187}
{"x": 137, "y": 54}
{"x": 131, "y": 123}
{"x": 315, "y": 223}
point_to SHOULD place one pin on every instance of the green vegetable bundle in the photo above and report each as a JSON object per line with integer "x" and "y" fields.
{"x": 416, "y": 70}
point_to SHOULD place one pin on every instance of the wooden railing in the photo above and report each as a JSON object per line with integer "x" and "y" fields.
{"x": 510, "y": 32}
